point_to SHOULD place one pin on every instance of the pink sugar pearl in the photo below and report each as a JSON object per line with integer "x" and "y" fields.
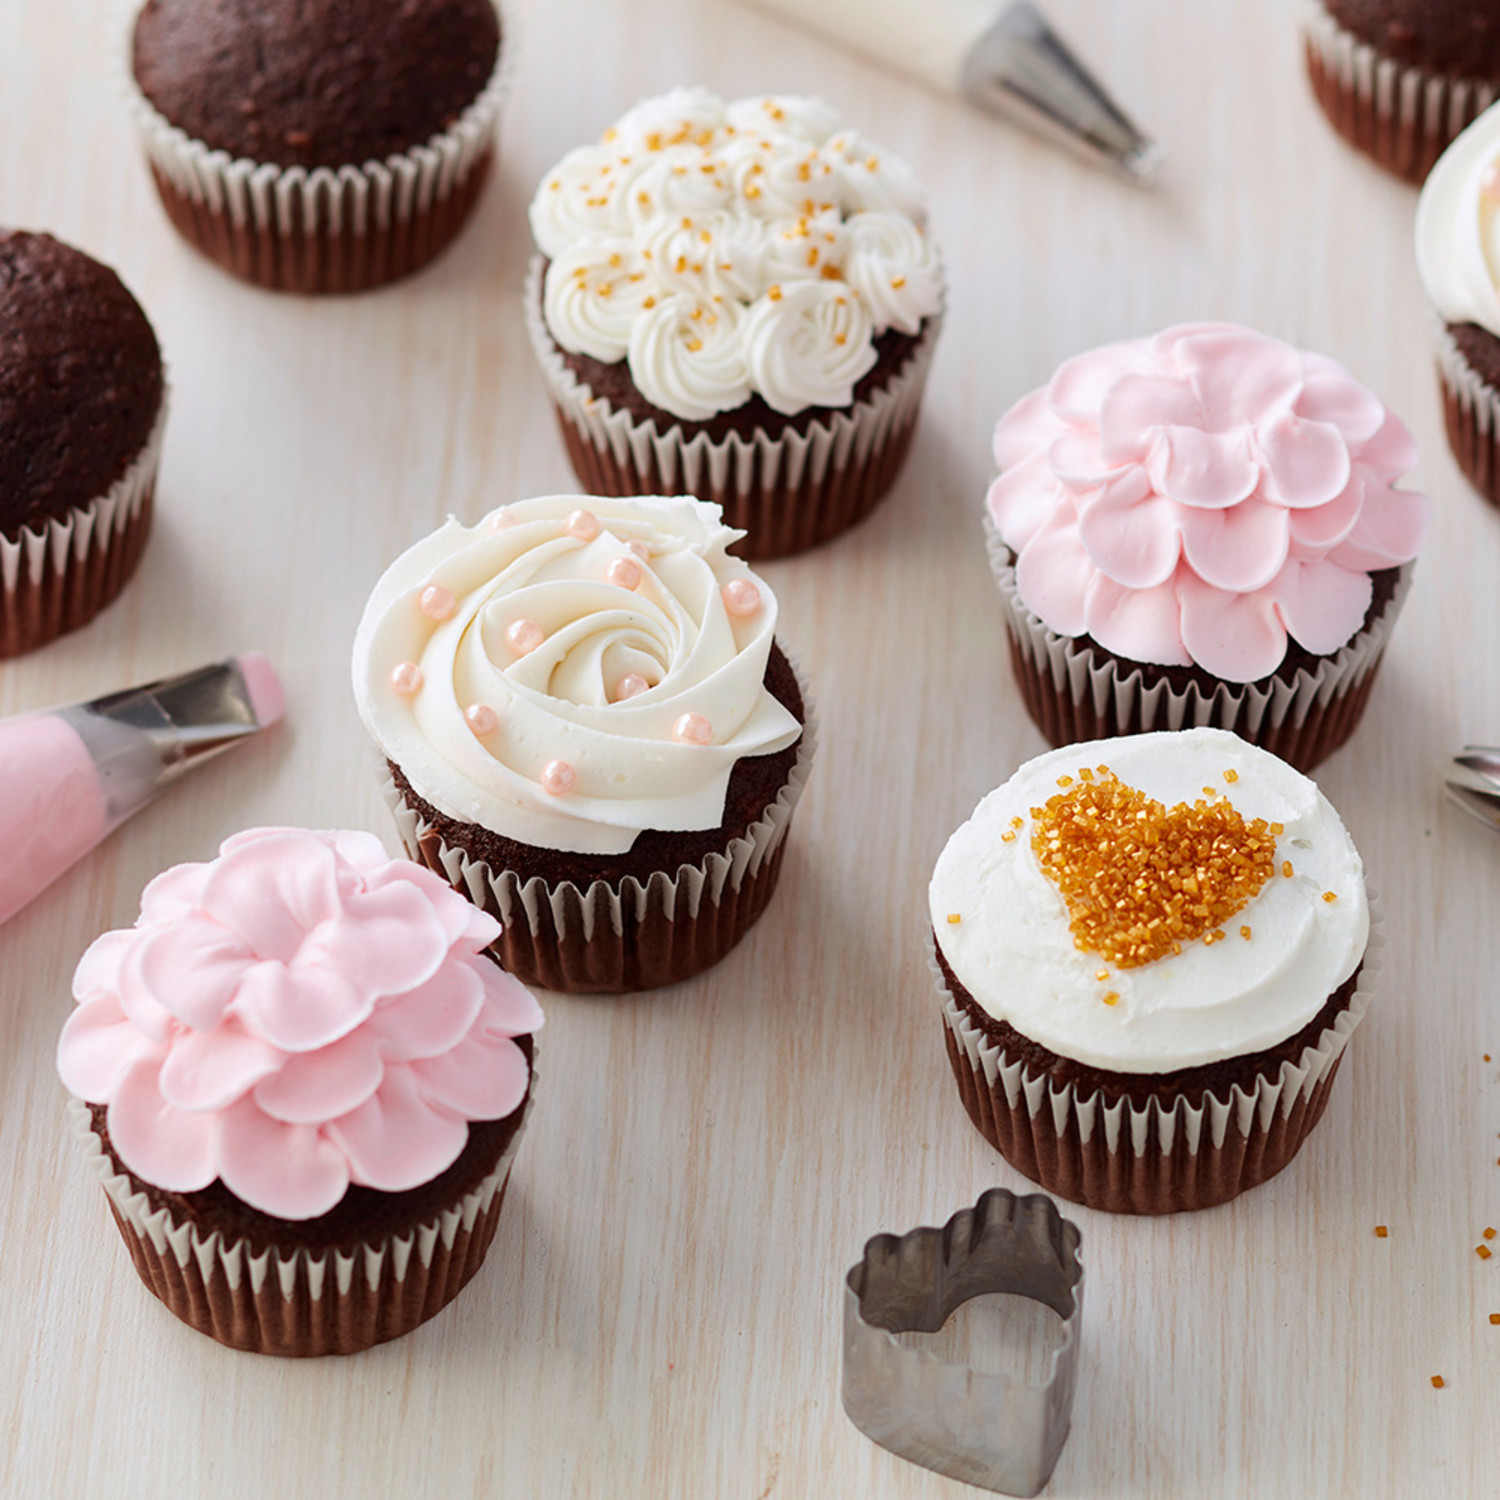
{"x": 482, "y": 719}
{"x": 640, "y": 549}
{"x": 558, "y": 777}
{"x": 500, "y": 520}
{"x": 693, "y": 729}
{"x": 406, "y": 678}
{"x": 629, "y": 685}
{"x": 437, "y": 603}
{"x": 583, "y": 524}
{"x": 741, "y": 597}
{"x": 624, "y": 573}
{"x": 524, "y": 636}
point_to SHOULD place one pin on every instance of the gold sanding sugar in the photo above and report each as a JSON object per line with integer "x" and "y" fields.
{"x": 1140, "y": 879}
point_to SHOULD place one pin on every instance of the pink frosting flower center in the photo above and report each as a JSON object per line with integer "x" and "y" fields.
{"x": 1200, "y": 496}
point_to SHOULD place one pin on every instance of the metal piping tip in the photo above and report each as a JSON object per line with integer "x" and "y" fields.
{"x": 1473, "y": 783}
{"x": 1021, "y": 68}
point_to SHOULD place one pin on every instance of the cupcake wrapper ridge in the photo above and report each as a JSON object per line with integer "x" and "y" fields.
{"x": 1075, "y": 693}
{"x": 788, "y": 490}
{"x": 633, "y": 935}
{"x": 57, "y": 578}
{"x": 1471, "y": 413}
{"x": 307, "y": 1303}
{"x": 1148, "y": 1159}
{"x": 1404, "y": 117}
{"x": 321, "y": 229}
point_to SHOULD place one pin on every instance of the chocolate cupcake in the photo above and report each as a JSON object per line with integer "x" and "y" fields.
{"x": 321, "y": 145}
{"x": 590, "y": 730}
{"x": 82, "y": 406}
{"x": 302, "y": 1084}
{"x": 1458, "y": 256}
{"x": 1400, "y": 79}
{"x": 1202, "y": 528}
{"x": 739, "y": 301}
{"x": 1150, "y": 955}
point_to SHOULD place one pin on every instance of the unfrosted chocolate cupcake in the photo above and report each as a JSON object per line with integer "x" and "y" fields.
{"x": 318, "y": 145}
{"x": 82, "y": 403}
{"x": 590, "y": 730}
{"x": 1400, "y": 79}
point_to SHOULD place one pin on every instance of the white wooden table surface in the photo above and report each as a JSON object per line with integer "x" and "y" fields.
{"x": 659, "y": 1315}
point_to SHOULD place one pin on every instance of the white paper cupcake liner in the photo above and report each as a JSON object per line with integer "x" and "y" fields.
{"x": 58, "y": 577}
{"x": 1471, "y": 410}
{"x": 330, "y": 1301}
{"x": 542, "y": 918}
{"x": 1256, "y": 712}
{"x": 783, "y": 488}
{"x": 1403, "y": 116}
{"x": 1177, "y": 1130}
{"x": 358, "y": 201}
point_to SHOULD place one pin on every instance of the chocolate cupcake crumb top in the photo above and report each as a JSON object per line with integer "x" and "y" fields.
{"x": 1458, "y": 37}
{"x": 314, "y": 83}
{"x": 80, "y": 380}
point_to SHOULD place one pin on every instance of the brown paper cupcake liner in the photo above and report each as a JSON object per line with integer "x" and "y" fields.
{"x": 306, "y": 1303}
{"x": 57, "y": 578}
{"x": 1404, "y": 117}
{"x": 1148, "y": 1159}
{"x": 629, "y": 935}
{"x": 1075, "y": 693}
{"x": 1471, "y": 413}
{"x": 787, "y": 490}
{"x": 324, "y": 229}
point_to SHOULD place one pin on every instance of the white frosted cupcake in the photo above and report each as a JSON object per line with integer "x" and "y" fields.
{"x": 740, "y": 301}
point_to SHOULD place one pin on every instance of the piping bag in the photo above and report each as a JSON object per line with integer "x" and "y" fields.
{"x": 70, "y": 776}
{"x": 1004, "y": 58}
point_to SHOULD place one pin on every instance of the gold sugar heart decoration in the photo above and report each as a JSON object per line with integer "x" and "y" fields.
{"x": 1140, "y": 879}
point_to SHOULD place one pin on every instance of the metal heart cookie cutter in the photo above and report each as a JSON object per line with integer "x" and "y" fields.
{"x": 979, "y": 1426}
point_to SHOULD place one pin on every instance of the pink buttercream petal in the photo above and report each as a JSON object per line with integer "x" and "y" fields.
{"x": 362, "y": 850}
{"x": 172, "y": 1148}
{"x": 98, "y": 1045}
{"x": 1240, "y": 549}
{"x": 1321, "y": 604}
{"x": 1392, "y": 452}
{"x": 1025, "y": 430}
{"x": 99, "y": 968}
{"x": 289, "y": 1171}
{"x": 482, "y": 1079}
{"x": 1053, "y": 573}
{"x": 137, "y": 1001}
{"x": 1136, "y": 408}
{"x": 174, "y": 894}
{"x": 1239, "y": 375}
{"x": 433, "y": 1017}
{"x": 193, "y": 969}
{"x": 1137, "y": 624}
{"x": 1331, "y": 394}
{"x": 313, "y": 1087}
{"x": 1307, "y": 463}
{"x": 1211, "y": 470}
{"x": 1135, "y": 544}
{"x": 1022, "y": 499}
{"x": 480, "y": 929}
{"x": 455, "y": 913}
{"x": 1238, "y": 637}
{"x": 384, "y": 942}
{"x": 275, "y": 890}
{"x": 397, "y": 1140}
{"x": 1077, "y": 391}
{"x": 300, "y": 1007}
{"x": 1075, "y": 459}
{"x": 207, "y": 1070}
{"x": 510, "y": 1009}
{"x": 1317, "y": 529}
{"x": 1390, "y": 529}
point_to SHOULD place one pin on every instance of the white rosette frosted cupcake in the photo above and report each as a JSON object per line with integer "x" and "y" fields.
{"x": 740, "y": 301}
{"x": 590, "y": 730}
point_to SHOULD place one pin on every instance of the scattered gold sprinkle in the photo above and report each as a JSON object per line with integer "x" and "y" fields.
{"x": 812, "y": 255}
{"x": 653, "y": 141}
{"x": 1437, "y": 1382}
{"x": 694, "y": 345}
{"x": 871, "y": 162}
{"x": 1286, "y": 868}
{"x": 774, "y": 293}
{"x": 1489, "y": 1234}
{"x": 555, "y": 185}
{"x": 955, "y": 918}
{"x": 1084, "y": 774}
{"x": 752, "y": 190}
{"x": 1495, "y": 1317}
{"x": 614, "y": 259}
{"x": 1101, "y": 974}
{"x": 1486, "y": 1057}
{"x": 1018, "y": 822}
{"x": 1277, "y": 830}
{"x": 1112, "y": 998}
{"x": 831, "y": 272}
{"x": 604, "y": 289}
{"x": 1381, "y": 1231}
{"x": 649, "y": 302}
{"x": 1482, "y": 1251}
{"x": 841, "y": 338}
{"x": 1245, "y": 933}
{"x": 1008, "y": 837}
{"x": 1330, "y": 895}
{"x": 1065, "y": 781}
{"x": 1231, "y": 776}
{"x": 897, "y": 282}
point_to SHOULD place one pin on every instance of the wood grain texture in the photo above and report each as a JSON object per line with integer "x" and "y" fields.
{"x": 660, "y": 1312}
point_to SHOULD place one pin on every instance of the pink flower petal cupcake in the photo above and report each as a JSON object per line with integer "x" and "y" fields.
{"x": 303, "y": 1085}
{"x": 1202, "y": 528}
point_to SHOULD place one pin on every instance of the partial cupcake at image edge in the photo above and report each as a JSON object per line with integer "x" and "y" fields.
{"x": 302, "y": 1083}
{"x": 1399, "y": 79}
{"x": 1202, "y": 527}
{"x": 316, "y": 147}
{"x": 591, "y": 729}
{"x": 738, "y": 301}
{"x": 1150, "y": 954}
{"x": 1458, "y": 258}
{"x": 82, "y": 409}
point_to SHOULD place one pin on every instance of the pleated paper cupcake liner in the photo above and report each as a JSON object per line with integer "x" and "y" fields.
{"x": 632, "y": 934}
{"x": 787, "y": 490}
{"x": 1471, "y": 413}
{"x": 56, "y": 578}
{"x": 1074, "y": 692}
{"x": 303, "y": 1303}
{"x": 1402, "y": 116}
{"x": 1154, "y": 1158}
{"x": 321, "y": 229}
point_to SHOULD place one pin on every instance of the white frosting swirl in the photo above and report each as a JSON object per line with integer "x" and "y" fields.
{"x": 1458, "y": 227}
{"x": 736, "y": 205}
{"x": 1013, "y": 950}
{"x": 632, "y": 767}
